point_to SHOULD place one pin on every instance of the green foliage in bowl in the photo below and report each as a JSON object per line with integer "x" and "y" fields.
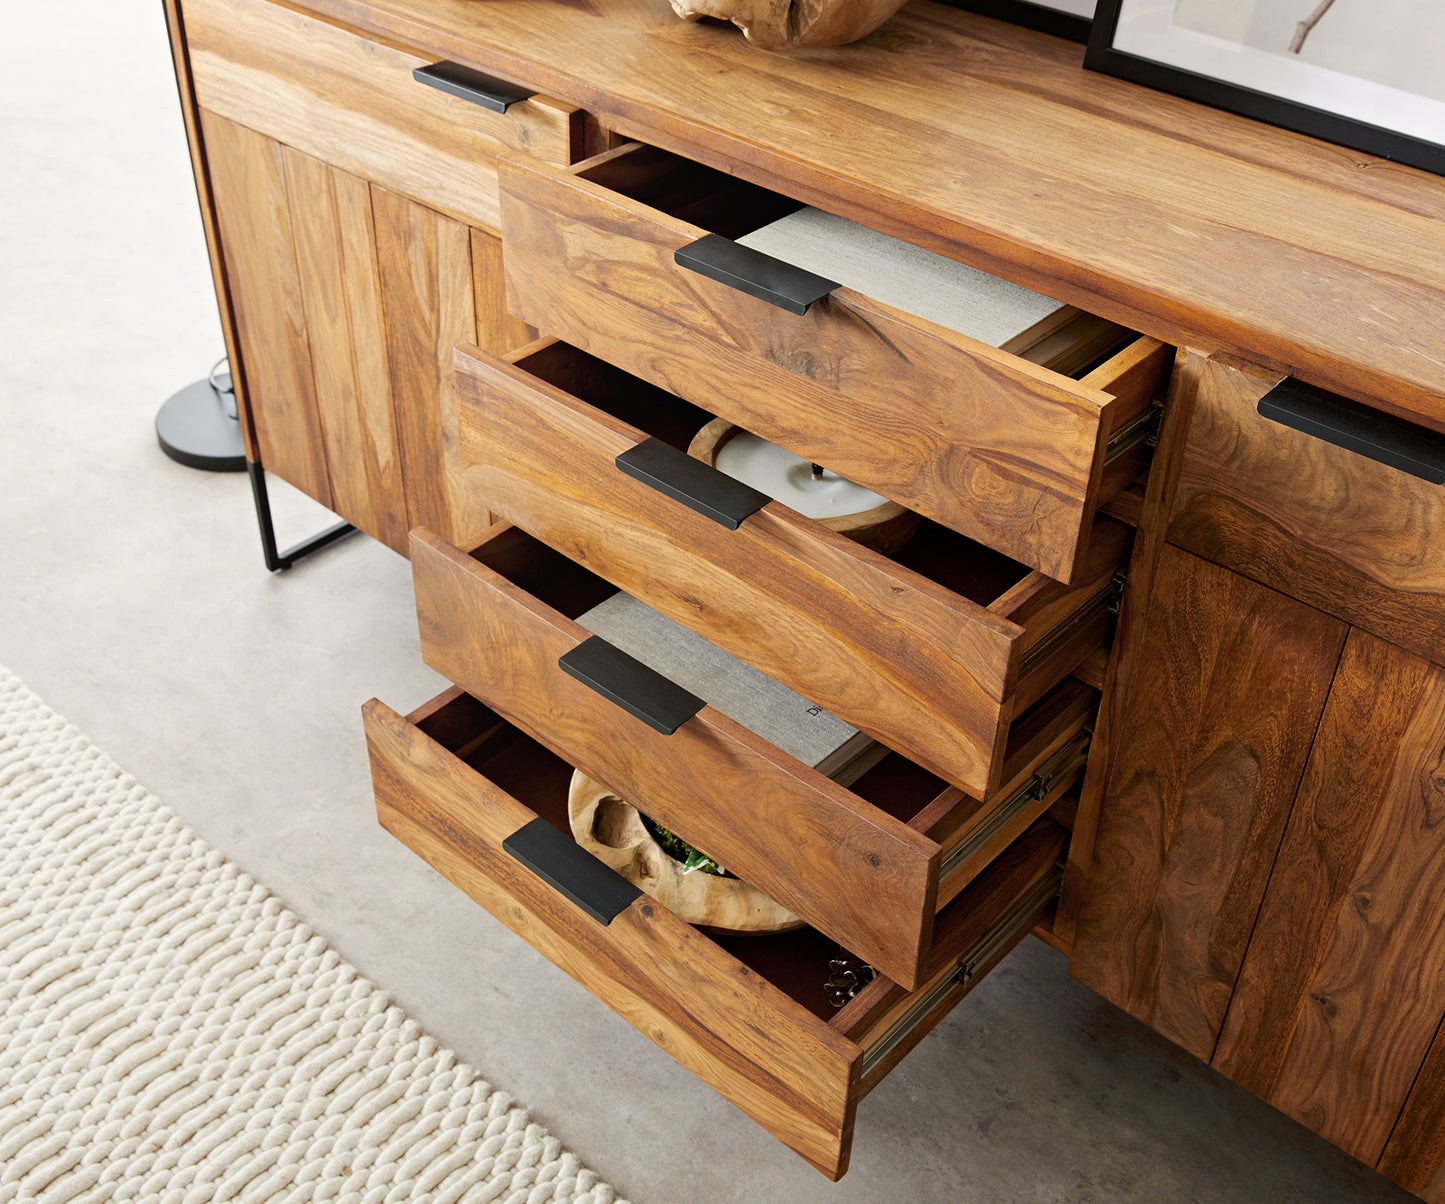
{"x": 679, "y": 850}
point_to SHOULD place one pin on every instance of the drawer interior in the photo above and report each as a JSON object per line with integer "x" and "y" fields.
{"x": 692, "y": 192}
{"x": 796, "y": 962}
{"x": 1043, "y": 759}
{"x": 943, "y": 556}
{"x": 1073, "y": 344}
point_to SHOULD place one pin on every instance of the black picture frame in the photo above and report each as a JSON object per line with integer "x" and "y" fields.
{"x": 1102, "y": 55}
{"x": 1041, "y": 16}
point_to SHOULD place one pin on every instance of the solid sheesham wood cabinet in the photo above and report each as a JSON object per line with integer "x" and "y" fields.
{"x": 1179, "y": 712}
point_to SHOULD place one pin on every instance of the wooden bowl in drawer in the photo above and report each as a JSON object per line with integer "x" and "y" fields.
{"x": 752, "y": 1016}
{"x": 868, "y": 864}
{"x": 613, "y": 831}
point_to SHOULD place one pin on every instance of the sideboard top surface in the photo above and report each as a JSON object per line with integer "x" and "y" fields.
{"x": 992, "y": 144}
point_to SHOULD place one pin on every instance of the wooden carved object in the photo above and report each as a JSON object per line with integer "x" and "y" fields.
{"x": 612, "y": 830}
{"x": 788, "y": 24}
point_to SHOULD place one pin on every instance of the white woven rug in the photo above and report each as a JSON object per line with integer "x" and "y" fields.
{"x": 170, "y": 1032}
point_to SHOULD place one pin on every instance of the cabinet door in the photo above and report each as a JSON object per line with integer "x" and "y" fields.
{"x": 1231, "y": 681}
{"x": 334, "y": 230}
{"x": 1343, "y": 985}
{"x": 432, "y": 281}
{"x": 248, "y": 180}
{"x": 348, "y": 302}
{"x": 1353, "y": 536}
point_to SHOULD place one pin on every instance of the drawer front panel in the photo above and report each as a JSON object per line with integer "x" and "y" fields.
{"x": 866, "y": 879}
{"x": 778, "y": 1062}
{"x": 1334, "y": 528}
{"x": 353, "y": 103}
{"x": 746, "y": 1015}
{"x": 916, "y": 666}
{"x": 1003, "y": 451}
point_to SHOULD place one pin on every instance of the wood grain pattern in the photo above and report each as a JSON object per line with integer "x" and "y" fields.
{"x": 425, "y": 266}
{"x": 989, "y": 142}
{"x": 1005, "y": 452}
{"x": 1343, "y": 986}
{"x": 353, "y": 103}
{"x": 1338, "y": 530}
{"x": 248, "y": 176}
{"x": 497, "y": 330}
{"x": 341, "y": 287}
{"x": 913, "y": 663}
{"x": 1214, "y": 740}
{"x": 852, "y": 871}
{"x": 1149, "y": 517}
{"x": 1415, "y": 1155}
{"x": 783, "y": 1066}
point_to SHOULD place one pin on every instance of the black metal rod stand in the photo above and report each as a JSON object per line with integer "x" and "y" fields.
{"x": 280, "y": 561}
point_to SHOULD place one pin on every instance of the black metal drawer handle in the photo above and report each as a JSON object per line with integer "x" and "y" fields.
{"x": 621, "y": 679}
{"x": 686, "y": 479}
{"x": 1383, "y": 438}
{"x": 754, "y": 273}
{"x": 571, "y": 870}
{"x": 484, "y": 90}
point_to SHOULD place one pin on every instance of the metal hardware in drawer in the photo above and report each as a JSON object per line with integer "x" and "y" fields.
{"x": 749, "y": 1016}
{"x": 979, "y": 439}
{"x": 352, "y": 102}
{"x": 999, "y": 938}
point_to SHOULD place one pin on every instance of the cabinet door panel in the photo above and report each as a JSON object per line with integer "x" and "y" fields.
{"x": 1343, "y": 985}
{"x": 425, "y": 262}
{"x": 1338, "y": 530}
{"x": 248, "y": 177}
{"x": 336, "y": 254}
{"x": 1214, "y": 738}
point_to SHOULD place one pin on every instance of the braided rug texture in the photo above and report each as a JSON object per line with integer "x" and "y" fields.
{"x": 170, "y": 1032}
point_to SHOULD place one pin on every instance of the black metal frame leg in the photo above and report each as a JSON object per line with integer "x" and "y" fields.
{"x": 280, "y": 561}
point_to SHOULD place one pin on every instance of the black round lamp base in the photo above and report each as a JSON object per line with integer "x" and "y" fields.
{"x": 195, "y": 428}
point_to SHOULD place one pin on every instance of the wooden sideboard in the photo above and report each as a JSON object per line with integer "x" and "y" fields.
{"x": 453, "y": 319}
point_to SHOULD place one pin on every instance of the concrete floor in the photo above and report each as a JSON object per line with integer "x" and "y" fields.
{"x": 133, "y": 599}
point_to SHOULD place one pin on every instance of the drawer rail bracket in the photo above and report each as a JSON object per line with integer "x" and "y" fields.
{"x": 1004, "y": 930}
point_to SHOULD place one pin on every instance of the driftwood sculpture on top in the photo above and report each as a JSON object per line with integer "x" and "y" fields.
{"x": 788, "y": 24}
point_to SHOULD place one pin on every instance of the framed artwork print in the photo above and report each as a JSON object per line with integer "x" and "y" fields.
{"x": 1064, "y": 18}
{"x": 1366, "y": 74}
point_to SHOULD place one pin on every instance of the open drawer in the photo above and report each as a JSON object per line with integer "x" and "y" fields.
{"x": 982, "y": 440}
{"x": 486, "y": 806}
{"x": 932, "y": 650}
{"x": 869, "y": 865}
